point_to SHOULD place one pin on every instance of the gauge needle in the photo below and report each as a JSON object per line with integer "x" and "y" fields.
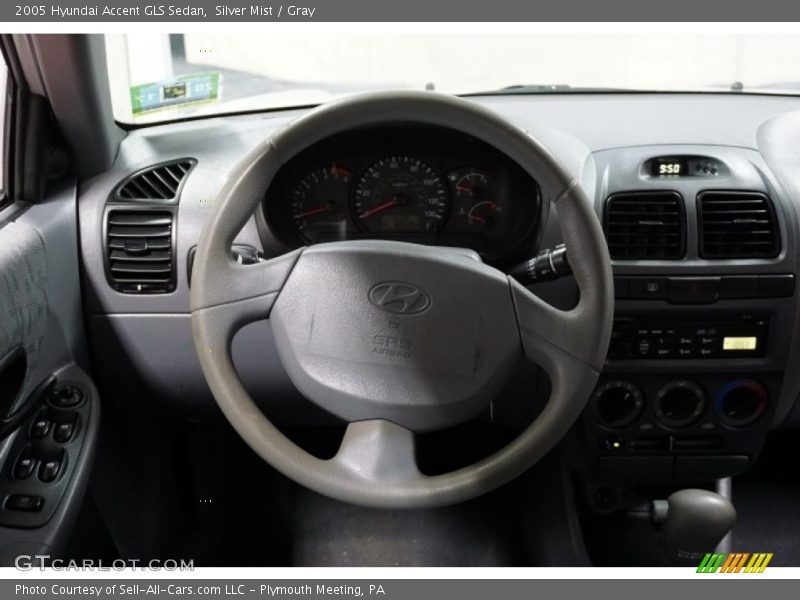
{"x": 463, "y": 188}
{"x": 377, "y": 209}
{"x": 478, "y": 219}
{"x": 337, "y": 170}
{"x": 313, "y": 211}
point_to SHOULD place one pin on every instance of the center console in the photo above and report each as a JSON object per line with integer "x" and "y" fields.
{"x": 704, "y": 276}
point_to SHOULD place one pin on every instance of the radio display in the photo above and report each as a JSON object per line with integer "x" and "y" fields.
{"x": 739, "y": 343}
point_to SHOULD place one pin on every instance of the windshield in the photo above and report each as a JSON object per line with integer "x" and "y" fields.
{"x": 156, "y": 77}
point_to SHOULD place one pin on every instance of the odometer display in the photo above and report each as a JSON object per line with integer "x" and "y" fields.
{"x": 400, "y": 194}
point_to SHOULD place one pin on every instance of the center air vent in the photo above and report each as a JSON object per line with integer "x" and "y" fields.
{"x": 139, "y": 251}
{"x": 161, "y": 182}
{"x": 645, "y": 226}
{"x": 737, "y": 225}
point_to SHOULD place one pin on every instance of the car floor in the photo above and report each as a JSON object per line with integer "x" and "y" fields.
{"x": 473, "y": 534}
{"x": 767, "y": 501}
{"x": 259, "y": 517}
{"x": 226, "y": 507}
{"x": 197, "y": 492}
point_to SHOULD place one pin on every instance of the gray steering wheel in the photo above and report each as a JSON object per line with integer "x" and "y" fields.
{"x": 399, "y": 338}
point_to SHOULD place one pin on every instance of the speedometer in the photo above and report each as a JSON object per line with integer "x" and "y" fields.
{"x": 400, "y": 194}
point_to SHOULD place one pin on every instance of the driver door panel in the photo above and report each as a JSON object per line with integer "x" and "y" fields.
{"x": 46, "y": 439}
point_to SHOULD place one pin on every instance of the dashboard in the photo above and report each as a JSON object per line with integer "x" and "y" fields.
{"x": 706, "y": 306}
{"x": 425, "y": 185}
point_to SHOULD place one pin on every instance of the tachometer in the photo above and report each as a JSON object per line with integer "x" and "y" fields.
{"x": 319, "y": 203}
{"x": 400, "y": 194}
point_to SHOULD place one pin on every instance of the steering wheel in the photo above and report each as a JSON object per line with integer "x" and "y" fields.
{"x": 398, "y": 338}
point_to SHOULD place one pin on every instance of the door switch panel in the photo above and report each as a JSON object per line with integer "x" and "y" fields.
{"x": 44, "y": 454}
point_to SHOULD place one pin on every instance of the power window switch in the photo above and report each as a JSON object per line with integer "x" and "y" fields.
{"x": 24, "y": 502}
{"x": 49, "y": 470}
{"x": 24, "y": 467}
{"x": 40, "y": 428}
{"x": 63, "y": 432}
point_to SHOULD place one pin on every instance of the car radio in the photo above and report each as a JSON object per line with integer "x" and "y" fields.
{"x": 741, "y": 336}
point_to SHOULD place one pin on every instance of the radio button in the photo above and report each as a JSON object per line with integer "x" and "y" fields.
{"x": 776, "y": 286}
{"x": 693, "y": 290}
{"x": 647, "y": 288}
{"x": 739, "y": 286}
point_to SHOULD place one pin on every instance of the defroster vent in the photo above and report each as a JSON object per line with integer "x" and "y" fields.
{"x": 158, "y": 183}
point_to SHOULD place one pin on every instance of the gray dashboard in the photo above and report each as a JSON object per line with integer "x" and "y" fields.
{"x": 603, "y": 139}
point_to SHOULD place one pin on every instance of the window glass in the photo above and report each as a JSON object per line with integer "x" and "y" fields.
{"x": 156, "y": 77}
{"x": 3, "y": 136}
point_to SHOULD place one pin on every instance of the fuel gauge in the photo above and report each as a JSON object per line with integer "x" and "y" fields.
{"x": 477, "y": 201}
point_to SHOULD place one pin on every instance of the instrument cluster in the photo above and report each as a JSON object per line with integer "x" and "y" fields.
{"x": 419, "y": 184}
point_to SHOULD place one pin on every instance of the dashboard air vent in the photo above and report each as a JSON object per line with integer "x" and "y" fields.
{"x": 139, "y": 251}
{"x": 645, "y": 226}
{"x": 737, "y": 225}
{"x": 161, "y": 182}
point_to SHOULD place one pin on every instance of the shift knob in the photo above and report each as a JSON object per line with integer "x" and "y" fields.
{"x": 694, "y": 522}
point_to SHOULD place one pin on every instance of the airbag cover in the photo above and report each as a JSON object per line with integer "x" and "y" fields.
{"x": 421, "y": 336}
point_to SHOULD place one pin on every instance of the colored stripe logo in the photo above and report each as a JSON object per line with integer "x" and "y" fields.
{"x": 735, "y": 562}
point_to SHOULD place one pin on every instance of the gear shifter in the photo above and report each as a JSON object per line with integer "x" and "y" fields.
{"x": 694, "y": 522}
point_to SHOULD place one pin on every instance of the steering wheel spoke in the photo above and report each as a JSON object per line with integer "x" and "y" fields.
{"x": 237, "y": 283}
{"x": 547, "y": 333}
{"x": 378, "y": 452}
{"x": 579, "y": 335}
{"x": 243, "y": 294}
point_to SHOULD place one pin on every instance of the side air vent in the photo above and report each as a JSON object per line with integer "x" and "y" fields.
{"x": 140, "y": 252}
{"x": 645, "y": 226}
{"x": 160, "y": 183}
{"x": 737, "y": 225}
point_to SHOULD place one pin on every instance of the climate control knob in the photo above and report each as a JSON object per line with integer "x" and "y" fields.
{"x": 617, "y": 403}
{"x": 741, "y": 402}
{"x": 679, "y": 403}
